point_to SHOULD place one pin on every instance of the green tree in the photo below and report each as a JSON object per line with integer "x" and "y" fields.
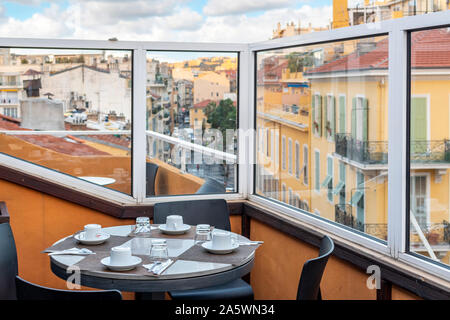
{"x": 222, "y": 116}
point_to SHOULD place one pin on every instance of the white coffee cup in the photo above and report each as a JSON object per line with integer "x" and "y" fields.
{"x": 120, "y": 256}
{"x": 174, "y": 222}
{"x": 221, "y": 239}
{"x": 91, "y": 231}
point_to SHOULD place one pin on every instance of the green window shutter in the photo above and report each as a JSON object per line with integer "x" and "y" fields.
{"x": 313, "y": 112}
{"x": 354, "y": 118}
{"x": 319, "y": 113}
{"x": 365, "y": 111}
{"x": 341, "y": 114}
{"x": 317, "y": 170}
{"x": 333, "y": 117}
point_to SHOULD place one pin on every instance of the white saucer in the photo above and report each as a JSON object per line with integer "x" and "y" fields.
{"x": 129, "y": 266}
{"x": 102, "y": 237}
{"x": 183, "y": 229}
{"x": 208, "y": 246}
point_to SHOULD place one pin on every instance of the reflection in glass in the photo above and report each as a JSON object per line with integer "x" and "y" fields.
{"x": 191, "y": 122}
{"x": 83, "y": 95}
{"x": 326, "y": 105}
{"x": 429, "y": 144}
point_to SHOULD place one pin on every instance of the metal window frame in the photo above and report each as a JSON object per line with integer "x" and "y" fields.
{"x": 397, "y": 31}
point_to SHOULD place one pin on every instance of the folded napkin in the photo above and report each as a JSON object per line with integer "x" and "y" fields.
{"x": 158, "y": 267}
{"x": 250, "y": 243}
{"x": 72, "y": 251}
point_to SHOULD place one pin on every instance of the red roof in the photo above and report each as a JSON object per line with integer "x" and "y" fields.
{"x": 49, "y": 142}
{"x": 203, "y": 104}
{"x": 430, "y": 49}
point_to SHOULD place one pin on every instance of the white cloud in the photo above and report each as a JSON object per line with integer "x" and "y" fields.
{"x": 221, "y": 7}
{"x": 91, "y": 20}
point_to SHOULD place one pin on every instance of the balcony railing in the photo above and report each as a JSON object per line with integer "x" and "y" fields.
{"x": 376, "y": 152}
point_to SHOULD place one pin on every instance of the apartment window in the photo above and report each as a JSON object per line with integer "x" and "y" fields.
{"x": 342, "y": 114}
{"x": 267, "y": 143}
{"x": 317, "y": 114}
{"x": 328, "y": 182}
{"x": 317, "y": 170}
{"x": 330, "y": 121}
{"x": 283, "y": 152}
{"x": 305, "y": 164}
{"x": 291, "y": 197}
{"x": 290, "y": 156}
{"x": 283, "y": 192}
{"x": 297, "y": 160}
{"x": 360, "y": 111}
{"x": 340, "y": 187}
{"x": 277, "y": 150}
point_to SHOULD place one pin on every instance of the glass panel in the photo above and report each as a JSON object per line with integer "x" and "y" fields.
{"x": 429, "y": 229}
{"x": 332, "y": 99}
{"x": 70, "y": 111}
{"x": 192, "y": 102}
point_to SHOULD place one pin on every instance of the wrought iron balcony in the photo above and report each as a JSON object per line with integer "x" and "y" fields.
{"x": 376, "y": 152}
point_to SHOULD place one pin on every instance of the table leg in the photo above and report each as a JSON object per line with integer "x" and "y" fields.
{"x": 150, "y": 295}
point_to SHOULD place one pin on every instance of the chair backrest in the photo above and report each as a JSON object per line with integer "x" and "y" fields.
{"x": 213, "y": 212}
{"x": 309, "y": 285}
{"x": 8, "y": 263}
{"x": 30, "y": 291}
{"x": 151, "y": 170}
{"x": 211, "y": 186}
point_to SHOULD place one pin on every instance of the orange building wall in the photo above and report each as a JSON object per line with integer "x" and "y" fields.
{"x": 279, "y": 262}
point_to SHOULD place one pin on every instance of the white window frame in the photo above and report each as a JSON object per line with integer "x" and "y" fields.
{"x": 290, "y": 155}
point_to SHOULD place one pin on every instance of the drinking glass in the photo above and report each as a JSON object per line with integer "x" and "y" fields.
{"x": 158, "y": 250}
{"x": 142, "y": 225}
{"x": 202, "y": 233}
{"x": 234, "y": 239}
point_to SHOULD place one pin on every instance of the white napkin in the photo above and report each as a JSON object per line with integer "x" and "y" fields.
{"x": 73, "y": 251}
{"x": 158, "y": 268}
{"x": 250, "y": 243}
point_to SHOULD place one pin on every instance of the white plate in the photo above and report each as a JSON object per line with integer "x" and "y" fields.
{"x": 103, "y": 236}
{"x": 208, "y": 246}
{"x": 129, "y": 266}
{"x": 183, "y": 229}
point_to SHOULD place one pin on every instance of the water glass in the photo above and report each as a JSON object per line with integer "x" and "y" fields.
{"x": 142, "y": 225}
{"x": 234, "y": 240}
{"x": 202, "y": 233}
{"x": 158, "y": 250}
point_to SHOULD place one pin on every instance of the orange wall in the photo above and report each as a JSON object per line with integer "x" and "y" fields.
{"x": 401, "y": 294}
{"x": 279, "y": 262}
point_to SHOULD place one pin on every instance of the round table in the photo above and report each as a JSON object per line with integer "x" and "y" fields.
{"x": 181, "y": 275}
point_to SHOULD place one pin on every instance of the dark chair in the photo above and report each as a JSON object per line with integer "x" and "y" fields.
{"x": 29, "y": 291}
{"x": 213, "y": 212}
{"x": 309, "y": 285}
{"x": 211, "y": 186}
{"x": 8, "y": 263}
{"x": 151, "y": 170}
{"x": 12, "y": 287}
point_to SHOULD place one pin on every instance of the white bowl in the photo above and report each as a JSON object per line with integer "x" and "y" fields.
{"x": 103, "y": 236}
{"x": 182, "y": 229}
{"x": 134, "y": 261}
{"x": 208, "y": 246}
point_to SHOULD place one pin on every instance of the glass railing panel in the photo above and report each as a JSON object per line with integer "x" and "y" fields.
{"x": 429, "y": 145}
{"x": 70, "y": 111}
{"x": 321, "y": 130}
{"x": 191, "y": 127}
